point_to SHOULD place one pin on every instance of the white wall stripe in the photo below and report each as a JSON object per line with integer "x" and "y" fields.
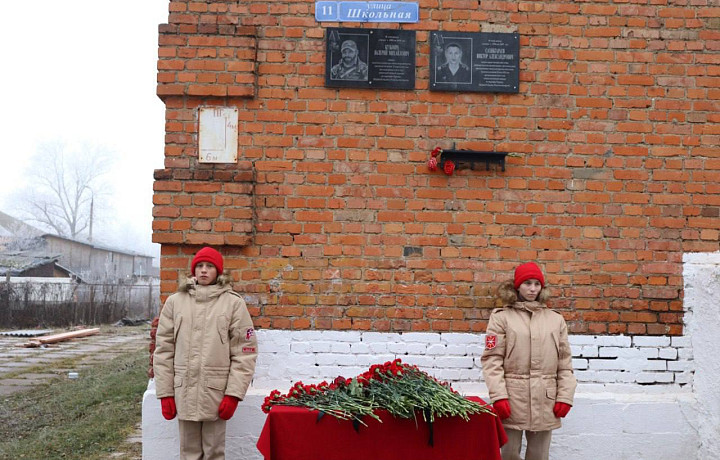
{"x": 313, "y": 356}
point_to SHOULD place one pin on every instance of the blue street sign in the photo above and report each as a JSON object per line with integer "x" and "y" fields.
{"x": 367, "y": 11}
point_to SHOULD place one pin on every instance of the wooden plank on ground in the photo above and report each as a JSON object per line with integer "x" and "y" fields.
{"x": 46, "y": 339}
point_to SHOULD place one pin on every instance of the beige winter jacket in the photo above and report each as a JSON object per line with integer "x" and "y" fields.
{"x": 205, "y": 348}
{"x": 527, "y": 360}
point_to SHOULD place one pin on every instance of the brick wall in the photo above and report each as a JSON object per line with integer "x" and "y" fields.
{"x": 599, "y": 361}
{"x": 331, "y": 219}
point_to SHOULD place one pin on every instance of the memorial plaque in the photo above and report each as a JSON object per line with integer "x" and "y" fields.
{"x": 477, "y": 62}
{"x": 370, "y": 58}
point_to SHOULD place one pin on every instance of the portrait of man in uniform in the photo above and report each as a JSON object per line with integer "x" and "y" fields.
{"x": 350, "y": 66}
{"x": 454, "y": 70}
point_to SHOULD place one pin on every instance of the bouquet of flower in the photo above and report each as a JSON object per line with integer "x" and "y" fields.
{"x": 401, "y": 389}
{"x": 434, "y": 162}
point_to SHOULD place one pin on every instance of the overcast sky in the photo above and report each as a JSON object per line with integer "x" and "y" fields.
{"x": 85, "y": 70}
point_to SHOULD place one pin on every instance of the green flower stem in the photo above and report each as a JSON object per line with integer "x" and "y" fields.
{"x": 400, "y": 389}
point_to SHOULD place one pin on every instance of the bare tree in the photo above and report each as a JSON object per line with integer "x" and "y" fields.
{"x": 66, "y": 187}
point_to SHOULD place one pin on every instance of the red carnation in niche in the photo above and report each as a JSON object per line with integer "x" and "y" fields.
{"x": 449, "y": 167}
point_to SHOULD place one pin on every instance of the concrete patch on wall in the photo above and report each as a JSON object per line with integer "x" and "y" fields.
{"x": 701, "y": 275}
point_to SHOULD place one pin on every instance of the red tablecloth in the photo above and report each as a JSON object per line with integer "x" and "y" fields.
{"x": 294, "y": 433}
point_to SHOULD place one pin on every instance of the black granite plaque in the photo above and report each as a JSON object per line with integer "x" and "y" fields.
{"x": 370, "y": 58}
{"x": 478, "y": 62}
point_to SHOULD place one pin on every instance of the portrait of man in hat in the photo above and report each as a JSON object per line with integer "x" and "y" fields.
{"x": 350, "y": 66}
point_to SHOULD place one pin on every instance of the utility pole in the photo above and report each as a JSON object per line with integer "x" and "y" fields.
{"x": 150, "y": 299}
{"x": 92, "y": 202}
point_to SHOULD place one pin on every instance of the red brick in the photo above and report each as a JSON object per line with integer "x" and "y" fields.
{"x": 337, "y": 177}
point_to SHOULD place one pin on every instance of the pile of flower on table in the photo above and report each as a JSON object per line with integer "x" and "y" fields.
{"x": 401, "y": 389}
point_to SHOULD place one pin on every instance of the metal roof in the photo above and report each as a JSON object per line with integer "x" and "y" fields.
{"x": 27, "y": 333}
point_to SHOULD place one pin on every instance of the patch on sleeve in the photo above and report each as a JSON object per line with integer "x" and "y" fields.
{"x": 490, "y": 341}
{"x": 249, "y": 349}
{"x": 249, "y": 334}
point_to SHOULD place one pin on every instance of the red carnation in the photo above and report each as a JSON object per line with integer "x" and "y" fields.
{"x": 437, "y": 151}
{"x": 378, "y": 387}
{"x": 449, "y": 167}
{"x": 432, "y": 164}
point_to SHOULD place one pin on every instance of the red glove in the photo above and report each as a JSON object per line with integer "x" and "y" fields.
{"x": 169, "y": 410}
{"x": 502, "y": 408}
{"x": 227, "y": 407}
{"x": 561, "y": 409}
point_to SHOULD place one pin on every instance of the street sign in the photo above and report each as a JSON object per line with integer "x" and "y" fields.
{"x": 366, "y": 11}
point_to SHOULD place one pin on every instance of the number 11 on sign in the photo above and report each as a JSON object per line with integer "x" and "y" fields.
{"x": 326, "y": 11}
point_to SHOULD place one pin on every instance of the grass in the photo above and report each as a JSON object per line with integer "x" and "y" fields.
{"x": 41, "y": 368}
{"x": 83, "y": 419}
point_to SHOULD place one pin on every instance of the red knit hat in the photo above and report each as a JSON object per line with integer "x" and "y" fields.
{"x": 526, "y": 272}
{"x": 208, "y": 254}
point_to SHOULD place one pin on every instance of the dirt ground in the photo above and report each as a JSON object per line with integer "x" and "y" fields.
{"x": 21, "y": 368}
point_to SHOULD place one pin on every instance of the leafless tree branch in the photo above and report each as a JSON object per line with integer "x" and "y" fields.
{"x": 64, "y": 183}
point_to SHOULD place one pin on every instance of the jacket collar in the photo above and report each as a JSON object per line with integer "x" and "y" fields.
{"x": 532, "y": 307}
{"x": 206, "y": 292}
{"x": 203, "y": 293}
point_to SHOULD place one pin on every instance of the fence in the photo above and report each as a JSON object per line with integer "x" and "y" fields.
{"x": 33, "y": 302}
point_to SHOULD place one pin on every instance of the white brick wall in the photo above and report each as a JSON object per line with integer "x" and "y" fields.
{"x": 313, "y": 356}
{"x": 646, "y": 398}
{"x": 631, "y": 397}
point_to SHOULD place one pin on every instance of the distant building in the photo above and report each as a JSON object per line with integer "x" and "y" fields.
{"x": 27, "y": 251}
{"x": 31, "y": 264}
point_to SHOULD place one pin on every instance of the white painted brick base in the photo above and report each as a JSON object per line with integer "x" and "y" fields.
{"x": 633, "y": 398}
{"x": 601, "y": 426}
{"x": 313, "y": 356}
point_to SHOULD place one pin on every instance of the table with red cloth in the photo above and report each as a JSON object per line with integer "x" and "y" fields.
{"x": 295, "y": 433}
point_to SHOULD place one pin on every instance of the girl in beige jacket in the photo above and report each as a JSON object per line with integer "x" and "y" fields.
{"x": 527, "y": 365}
{"x": 205, "y": 357}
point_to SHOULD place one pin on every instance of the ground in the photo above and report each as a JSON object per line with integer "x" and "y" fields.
{"x": 22, "y": 367}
